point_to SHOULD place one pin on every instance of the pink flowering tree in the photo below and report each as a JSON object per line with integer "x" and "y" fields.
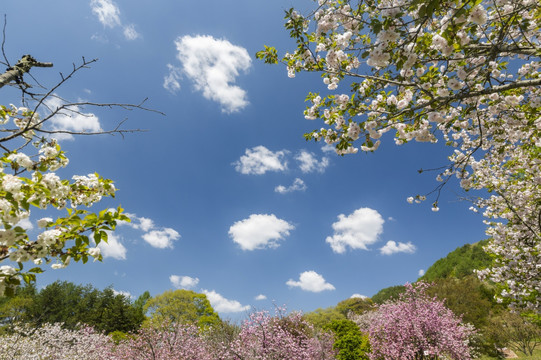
{"x": 462, "y": 72}
{"x": 265, "y": 337}
{"x": 166, "y": 342}
{"x": 416, "y": 327}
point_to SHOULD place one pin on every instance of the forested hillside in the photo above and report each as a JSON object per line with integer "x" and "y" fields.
{"x": 459, "y": 263}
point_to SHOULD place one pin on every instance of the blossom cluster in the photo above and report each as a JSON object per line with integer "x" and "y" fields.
{"x": 416, "y": 327}
{"x": 30, "y": 181}
{"x": 51, "y": 341}
{"x": 261, "y": 337}
{"x": 463, "y": 73}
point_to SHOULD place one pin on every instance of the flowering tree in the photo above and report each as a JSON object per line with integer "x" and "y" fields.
{"x": 169, "y": 341}
{"x": 28, "y": 181}
{"x": 51, "y": 341}
{"x": 465, "y": 72}
{"x": 416, "y": 327}
{"x": 264, "y": 337}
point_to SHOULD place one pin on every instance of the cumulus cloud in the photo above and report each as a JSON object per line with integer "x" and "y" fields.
{"x": 161, "y": 239}
{"x": 358, "y": 296}
{"x": 421, "y": 272}
{"x": 113, "y": 248}
{"x": 108, "y": 15}
{"x": 260, "y": 297}
{"x": 107, "y": 12}
{"x": 213, "y": 65}
{"x": 70, "y": 119}
{"x": 183, "y": 282}
{"x": 130, "y": 33}
{"x": 259, "y": 160}
{"x": 123, "y": 293}
{"x": 393, "y": 247}
{"x": 139, "y": 223}
{"x": 310, "y": 281}
{"x": 298, "y": 185}
{"x": 328, "y": 148}
{"x": 171, "y": 82}
{"x": 357, "y": 230}
{"x": 309, "y": 162}
{"x": 259, "y": 231}
{"x": 223, "y": 305}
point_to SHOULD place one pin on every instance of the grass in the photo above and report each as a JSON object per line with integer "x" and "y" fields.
{"x": 536, "y": 356}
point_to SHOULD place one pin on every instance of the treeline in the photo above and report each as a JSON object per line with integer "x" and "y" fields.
{"x": 343, "y": 331}
{"x": 70, "y": 304}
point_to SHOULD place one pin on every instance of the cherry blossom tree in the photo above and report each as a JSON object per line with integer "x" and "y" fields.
{"x": 290, "y": 337}
{"x": 416, "y": 327}
{"x": 462, "y": 72}
{"x": 169, "y": 341}
{"x": 51, "y": 341}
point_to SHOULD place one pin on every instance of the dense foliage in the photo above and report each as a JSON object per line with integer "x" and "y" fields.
{"x": 349, "y": 341}
{"x": 70, "y": 304}
{"x": 181, "y": 306}
{"x": 459, "y": 263}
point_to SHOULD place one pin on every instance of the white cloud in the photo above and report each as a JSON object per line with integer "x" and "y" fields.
{"x": 161, "y": 239}
{"x": 171, "y": 80}
{"x": 213, "y": 65}
{"x": 421, "y": 272}
{"x": 393, "y": 247}
{"x": 130, "y": 33}
{"x": 309, "y": 162}
{"x": 357, "y": 230}
{"x": 25, "y": 224}
{"x": 358, "y": 296}
{"x": 259, "y": 160}
{"x": 298, "y": 185}
{"x": 223, "y": 305}
{"x": 183, "y": 282}
{"x": 113, "y": 248}
{"x": 328, "y": 148}
{"x": 259, "y": 231}
{"x": 310, "y": 281}
{"x": 139, "y": 223}
{"x": 107, "y": 12}
{"x": 71, "y": 119}
{"x": 260, "y": 297}
{"x": 123, "y": 293}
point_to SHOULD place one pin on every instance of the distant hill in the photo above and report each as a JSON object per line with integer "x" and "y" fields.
{"x": 459, "y": 263}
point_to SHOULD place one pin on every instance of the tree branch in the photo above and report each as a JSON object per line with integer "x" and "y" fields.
{"x": 23, "y": 66}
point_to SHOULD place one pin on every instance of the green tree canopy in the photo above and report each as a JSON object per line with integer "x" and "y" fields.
{"x": 181, "y": 306}
{"x": 70, "y": 304}
{"x": 389, "y": 293}
{"x": 350, "y": 343}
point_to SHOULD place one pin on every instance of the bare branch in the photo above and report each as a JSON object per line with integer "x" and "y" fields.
{"x": 4, "y": 41}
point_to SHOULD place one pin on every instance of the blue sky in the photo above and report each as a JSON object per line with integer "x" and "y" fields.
{"x": 226, "y": 196}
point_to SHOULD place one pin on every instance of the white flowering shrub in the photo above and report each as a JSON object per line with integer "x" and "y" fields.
{"x": 462, "y": 72}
